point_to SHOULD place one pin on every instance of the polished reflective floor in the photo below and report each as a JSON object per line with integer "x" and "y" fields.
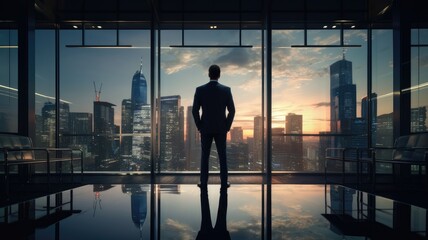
{"x": 170, "y": 211}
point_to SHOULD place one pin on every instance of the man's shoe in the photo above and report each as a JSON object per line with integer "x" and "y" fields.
{"x": 227, "y": 185}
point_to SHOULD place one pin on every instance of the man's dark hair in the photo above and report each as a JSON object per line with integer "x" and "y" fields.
{"x": 214, "y": 72}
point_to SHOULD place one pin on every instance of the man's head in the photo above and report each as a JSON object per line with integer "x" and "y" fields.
{"x": 214, "y": 72}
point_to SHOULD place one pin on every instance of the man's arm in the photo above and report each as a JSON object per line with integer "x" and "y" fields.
{"x": 195, "y": 110}
{"x": 231, "y": 111}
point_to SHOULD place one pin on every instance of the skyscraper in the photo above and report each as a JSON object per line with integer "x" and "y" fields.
{"x": 343, "y": 114}
{"x": 141, "y": 138}
{"x": 193, "y": 142}
{"x": 236, "y": 135}
{"x": 418, "y": 118}
{"x": 294, "y": 125}
{"x": 342, "y": 100}
{"x": 49, "y": 122}
{"x": 127, "y": 120}
{"x": 80, "y": 129}
{"x": 257, "y": 154}
{"x": 365, "y": 114}
{"x": 171, "y": 133}
{"x": 141, "y": 121}
{"x": 237, "y": 150}
{"x": 139, "y": 88}
{"x": 279, "y": 152}
{"x": 342, "y": 96}
{"x": 237, "y": 154}
{"x": 104, "y": 130}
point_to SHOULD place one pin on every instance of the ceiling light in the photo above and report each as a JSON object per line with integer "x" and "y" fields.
{"x": 384, "y": 10}
{"x": 325, "y": 26}
{"x": 75, "y": 26}
{"x": 334, "y": 26}
{"x": 213, "y": 26}
{"x": 99, "y": 26}
{"x": 353, "y": 26}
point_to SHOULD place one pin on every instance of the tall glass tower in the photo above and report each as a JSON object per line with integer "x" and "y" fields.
{"x": 171, "y": 133}
{"x": 343, "y": 97}
{"x": 139, "y": 89}
{"x": 141, "y": 124}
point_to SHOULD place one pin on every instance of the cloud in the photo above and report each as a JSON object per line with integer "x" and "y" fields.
{"x": 177, "y": 62}
{"x": 250, "y": 85}
{"x": 250, "y": 229}
{"x": 330, "y": 40}
{"x": 355, "y": 35}
{"x": 237, "y": 56}
{"x": 176, "y": 230}
{"x": 321, "y": 104}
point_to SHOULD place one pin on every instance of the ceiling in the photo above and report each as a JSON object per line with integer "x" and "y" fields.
{"x": 188, "y": 14}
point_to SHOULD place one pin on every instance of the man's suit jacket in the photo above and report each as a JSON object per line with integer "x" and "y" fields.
{"x": 214, "y": 98}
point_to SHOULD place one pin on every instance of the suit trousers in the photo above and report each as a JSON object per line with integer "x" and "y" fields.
{"x": 220, "y": 142}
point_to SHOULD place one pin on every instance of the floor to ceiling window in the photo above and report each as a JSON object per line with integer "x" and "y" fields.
{"x": 319, "y": 95}
{"x": 105, "y": 101}
{"x": 185, "y": 59}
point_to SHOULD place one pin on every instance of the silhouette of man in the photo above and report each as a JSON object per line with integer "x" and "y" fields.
{"x": 214, "y": 98}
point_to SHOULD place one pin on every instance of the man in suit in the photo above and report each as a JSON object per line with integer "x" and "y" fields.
{"x": 214, "y": 98}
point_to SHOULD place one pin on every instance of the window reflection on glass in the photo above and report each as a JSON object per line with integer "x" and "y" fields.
{"x": 9, "y": 81}
{"x": 318, "y": 91}
{"x": 419, "y": 81}
{"x": 45, "y": 89}
{"x": 184, "y": 69}
{"x": 382, "y": 86}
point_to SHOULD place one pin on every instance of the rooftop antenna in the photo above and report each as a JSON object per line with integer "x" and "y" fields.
{"x": 97, "y": 93}
{"x": 141, "y": 65}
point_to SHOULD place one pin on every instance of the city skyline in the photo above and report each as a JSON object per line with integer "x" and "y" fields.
{"x": 132, "y": 138}
{"x": 182, "y": 70}
{"x": 296, "y": 72}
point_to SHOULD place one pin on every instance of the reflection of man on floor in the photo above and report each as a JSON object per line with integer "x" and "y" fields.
{"x": 214, "y": 98}
{"x": 219, "y": 232}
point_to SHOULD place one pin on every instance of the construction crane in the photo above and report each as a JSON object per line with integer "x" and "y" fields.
{"x": 97, "y": 93}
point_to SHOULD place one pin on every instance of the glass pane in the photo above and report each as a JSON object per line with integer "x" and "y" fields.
{"x": 382, "y": 86}
{"x": 184, "y": 69}
{"x": 419, "y": 82}
{"x": 323, "y": 37}
{"x": 419, "y": 36}
{"x": 9, "y": 81}
{"x": 317, "y": 91}
{"x": 210, "y": 37}
{"x": 104, "y": 93}
{"x": 45, "y": 88}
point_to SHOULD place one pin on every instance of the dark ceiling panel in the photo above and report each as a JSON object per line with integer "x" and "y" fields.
{"x": 134, "y": 5}
{"x": 169, "y": 6}
{"x": 324, "y": 5}
{"x": 281, "y": 5}
{"x": 211, "y": 5}
{"x": 104, "y": 5}
{"x": 251, "y": 12}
